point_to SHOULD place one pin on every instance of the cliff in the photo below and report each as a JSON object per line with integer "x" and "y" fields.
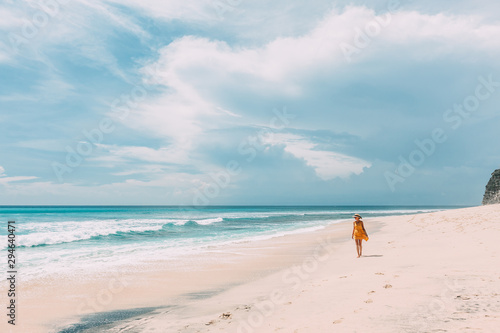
{"x": 492, "y": 193}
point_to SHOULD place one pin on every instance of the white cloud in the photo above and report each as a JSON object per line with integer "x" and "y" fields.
{"x": 113, "y": 16}
{"x": 229, "y": 112}
{"x": 196, "y": 71}
{"x": 10, "y": 21}
{"x": 191, "y": 62}
{"x": 10, "y": 18}
{"x": 81, "y": 26}
{"x": 327, "y": 164}
{"x": 4, "y": 180}
{"x": 170, "y": 155}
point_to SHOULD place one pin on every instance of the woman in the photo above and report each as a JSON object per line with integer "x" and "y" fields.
{"x": 359, "y": 233}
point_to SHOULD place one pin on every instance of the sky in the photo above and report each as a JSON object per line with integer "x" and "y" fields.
{"x": 238, "y": 102}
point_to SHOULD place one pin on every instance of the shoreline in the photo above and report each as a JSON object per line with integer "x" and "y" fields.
{"x": 122, "y": 291}
{"x": 310, "y": 282}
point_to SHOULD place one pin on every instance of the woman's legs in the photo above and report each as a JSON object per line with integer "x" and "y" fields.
{"x": 358, "y": 247}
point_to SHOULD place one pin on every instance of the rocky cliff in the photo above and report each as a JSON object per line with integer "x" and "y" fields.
{"x": 492, "y": 193}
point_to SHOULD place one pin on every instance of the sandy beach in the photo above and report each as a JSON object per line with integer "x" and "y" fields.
{"x": 434, "y": 272}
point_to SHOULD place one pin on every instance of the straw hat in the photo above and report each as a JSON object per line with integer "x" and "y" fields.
{"x": 357, "y": 215}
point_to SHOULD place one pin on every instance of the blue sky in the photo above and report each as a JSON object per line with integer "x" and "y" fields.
{"x": 248, "y": 102}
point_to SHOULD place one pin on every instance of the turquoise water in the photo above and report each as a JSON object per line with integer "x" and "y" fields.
{"x": 61, "y": 240}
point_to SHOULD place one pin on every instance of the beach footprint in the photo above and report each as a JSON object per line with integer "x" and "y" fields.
{"x": 226, "y": 315}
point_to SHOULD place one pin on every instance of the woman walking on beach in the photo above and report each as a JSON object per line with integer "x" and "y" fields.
{"x": 359, "y": 233}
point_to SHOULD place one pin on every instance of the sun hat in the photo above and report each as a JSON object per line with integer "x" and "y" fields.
{"x": 357, "y": 215}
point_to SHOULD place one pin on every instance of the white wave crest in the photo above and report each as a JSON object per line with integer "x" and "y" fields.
{"x": 209, "y": 221}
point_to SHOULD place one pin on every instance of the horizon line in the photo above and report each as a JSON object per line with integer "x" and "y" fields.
{"x": 238, "y": 205}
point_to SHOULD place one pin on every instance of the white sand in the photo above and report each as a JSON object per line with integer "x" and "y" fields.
{"x": 436, "y": 272}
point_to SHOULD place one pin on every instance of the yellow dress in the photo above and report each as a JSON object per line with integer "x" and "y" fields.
{"x": 359, "y": 233}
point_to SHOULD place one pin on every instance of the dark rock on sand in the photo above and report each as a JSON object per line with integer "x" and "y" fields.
{"x": 492, "y": 193}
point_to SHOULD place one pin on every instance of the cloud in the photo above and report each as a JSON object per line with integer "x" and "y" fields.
{"x": 214, "y": 81}
{"x": 125, "y": 22}
{"x": 10, "y": 18}
{"x": 166, "y": 155}
{"x": 201, "y": 76}
{"x": 327, "y": 164}
{"x": 81, "y": 30}
{"x": 186, "y": 10}
{"x": 228, "y": 112}
{"x": 201, "y": 73}
{"x": 190, "y": 62}
{"x": 4, "y": 180}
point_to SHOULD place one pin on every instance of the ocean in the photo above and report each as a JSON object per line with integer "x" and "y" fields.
{"x": 84, "y": 239}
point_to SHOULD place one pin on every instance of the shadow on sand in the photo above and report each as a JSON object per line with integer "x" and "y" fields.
{"x": 372, "y": 256}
